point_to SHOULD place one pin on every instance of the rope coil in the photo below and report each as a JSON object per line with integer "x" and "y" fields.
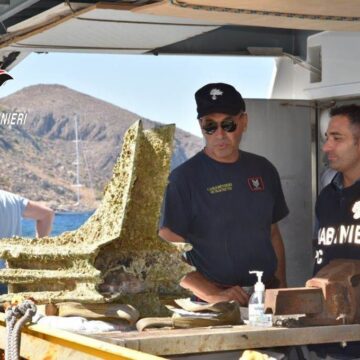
{"x": 16, "y": 316}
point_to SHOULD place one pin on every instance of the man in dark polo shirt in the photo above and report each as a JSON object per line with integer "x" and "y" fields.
{"x": 226, "y": 203}
{"x": 338, "y": 207}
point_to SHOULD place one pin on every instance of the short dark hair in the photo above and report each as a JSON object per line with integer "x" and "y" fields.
{"x": 352, "y": 112}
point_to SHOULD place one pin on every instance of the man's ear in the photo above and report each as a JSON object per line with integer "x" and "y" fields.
{"x": 200, "y": 125}
{"x": 245, "y": 121}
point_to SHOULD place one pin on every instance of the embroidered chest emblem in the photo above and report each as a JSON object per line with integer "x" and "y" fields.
{"x": 256, "y": 183}
{"x": 219, "y": 188}
{"x": 356, "y": 210}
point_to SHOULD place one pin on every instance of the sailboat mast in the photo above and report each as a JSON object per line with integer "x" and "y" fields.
{"x": 77, "y": 162}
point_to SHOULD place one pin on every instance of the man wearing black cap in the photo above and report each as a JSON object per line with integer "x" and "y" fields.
{"x": 226, "y": 203}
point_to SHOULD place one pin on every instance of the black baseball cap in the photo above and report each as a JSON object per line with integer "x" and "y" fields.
{"x": 218, "y": 98}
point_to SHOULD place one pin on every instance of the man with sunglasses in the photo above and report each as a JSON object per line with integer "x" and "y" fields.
{"x": 226, "y": 203}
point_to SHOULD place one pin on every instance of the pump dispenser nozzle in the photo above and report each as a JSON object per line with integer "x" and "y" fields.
{"x": 259, "y": 286}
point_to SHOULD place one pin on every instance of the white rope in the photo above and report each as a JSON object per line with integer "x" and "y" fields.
{"x": 10, "y": 323}
{"x": 16, "y": 317}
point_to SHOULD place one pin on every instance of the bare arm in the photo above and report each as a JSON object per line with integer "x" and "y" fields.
{"x": 210, "y": 292}
{"x": 279, "y": 249}
{"x": 42, "y": 215}
{"x": 168, "y": 235}
{"x": 201, "y": 286}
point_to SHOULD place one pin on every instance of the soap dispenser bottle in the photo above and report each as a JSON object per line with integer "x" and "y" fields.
{"x": 257, "y": 316}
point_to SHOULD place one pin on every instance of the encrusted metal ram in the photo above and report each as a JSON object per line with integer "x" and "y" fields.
{"x": 116, "y": 255}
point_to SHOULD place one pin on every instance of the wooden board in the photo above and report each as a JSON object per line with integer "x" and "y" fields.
{"x": 171, "y": 342}
{"x": 40, "y": 342}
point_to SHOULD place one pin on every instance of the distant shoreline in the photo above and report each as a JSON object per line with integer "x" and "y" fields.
{"x": 74, "y": 209}
{"x": 73, "y": 212}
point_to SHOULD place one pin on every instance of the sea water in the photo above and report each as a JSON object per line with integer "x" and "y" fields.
{"x": 64, "y": 221}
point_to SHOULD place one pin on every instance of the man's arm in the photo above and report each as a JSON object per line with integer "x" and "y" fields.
{"x": 279, "y": 249}
{"x": 168, "y": 235}
{"x": 210, "y": 292}
{"x": 42, "y": 215}
{"x": 200, "y": 285}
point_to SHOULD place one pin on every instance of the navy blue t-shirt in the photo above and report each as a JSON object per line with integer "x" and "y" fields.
{"x": 338, "y": 223}
{"x": 337, "y": 237}
{"x": 225, "y": 210}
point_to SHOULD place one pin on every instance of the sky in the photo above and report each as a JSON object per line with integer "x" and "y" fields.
{"x": 160, "y": 88}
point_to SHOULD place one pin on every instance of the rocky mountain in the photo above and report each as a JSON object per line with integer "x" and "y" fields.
{"x": 37, "y": 157}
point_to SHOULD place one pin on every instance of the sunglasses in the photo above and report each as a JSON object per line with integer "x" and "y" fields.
{"x": 228, "y": 125}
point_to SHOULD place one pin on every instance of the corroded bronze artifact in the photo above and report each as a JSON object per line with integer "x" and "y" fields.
{"x": 116, "y": 255}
